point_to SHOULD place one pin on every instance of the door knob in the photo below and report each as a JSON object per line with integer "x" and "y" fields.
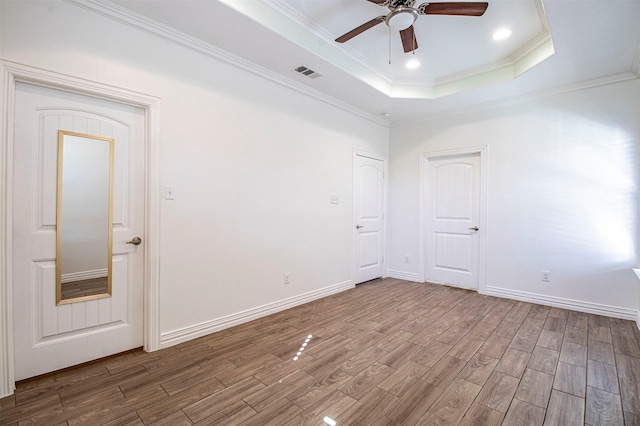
{"x": 135, "y": 241}
{"x": 359, "y": 226}
{"x": 475, "y": 228}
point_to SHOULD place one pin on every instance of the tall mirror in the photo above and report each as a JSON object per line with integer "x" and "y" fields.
{"x": 84, "y": 217}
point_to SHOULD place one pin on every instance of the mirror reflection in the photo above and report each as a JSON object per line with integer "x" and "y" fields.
{"x": 84, "y": 217}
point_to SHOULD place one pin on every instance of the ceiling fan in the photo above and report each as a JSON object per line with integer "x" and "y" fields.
{"x": 402, "y": 15}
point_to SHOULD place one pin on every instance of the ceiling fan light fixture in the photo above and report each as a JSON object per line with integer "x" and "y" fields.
{"x": 401, "y": 18}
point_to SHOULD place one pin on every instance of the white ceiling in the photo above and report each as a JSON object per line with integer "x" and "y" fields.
{"x": 560, "y": 43}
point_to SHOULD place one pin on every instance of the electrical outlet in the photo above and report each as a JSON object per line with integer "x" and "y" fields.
{"x": 406, "y": 258}
{"x": 286, "y": 278}
{"x": 546, "y": 276}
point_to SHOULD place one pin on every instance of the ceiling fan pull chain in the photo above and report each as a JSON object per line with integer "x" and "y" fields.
{"x": 389, "y": 45}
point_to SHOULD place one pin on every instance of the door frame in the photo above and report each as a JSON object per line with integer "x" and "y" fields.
{"x": 13, "y": 73}
{"x": 361, "y": 153}
{"x": 425, "y": 159}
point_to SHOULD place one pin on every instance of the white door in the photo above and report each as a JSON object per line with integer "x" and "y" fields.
{"x": 453, "y": 216}
{"x": 368, "y": 196}
{"x": 50, "y": 336}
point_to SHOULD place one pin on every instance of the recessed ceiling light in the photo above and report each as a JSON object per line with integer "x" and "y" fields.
{"x": 385, "y": 114}
{"x": 501, "y": 34}
{"x": 412, "y": 63}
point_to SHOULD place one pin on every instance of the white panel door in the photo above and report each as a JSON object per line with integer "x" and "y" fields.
{"x": 48, "y": 336}
{"x": 453, "y": 209}
{"x": 368, "y": 198}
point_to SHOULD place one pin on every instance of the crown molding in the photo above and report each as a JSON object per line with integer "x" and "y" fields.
{"x": 530, "y": 54}
{"x": 309, "y": 25}
{"x": 290, "y": 24}
{"x": 135, "y": 20}
{"x": 519, "y": 99}
{"x": 635, "y": 66}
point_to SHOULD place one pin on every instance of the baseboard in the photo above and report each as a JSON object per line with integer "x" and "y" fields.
{"x": 175, "y": 337}
{"x": 401, "y": 275}
{"x": 571, "y": 304}
{"x": 84, "y": 275}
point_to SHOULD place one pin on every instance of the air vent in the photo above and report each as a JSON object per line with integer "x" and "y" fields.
{"x": 308, "y": 72}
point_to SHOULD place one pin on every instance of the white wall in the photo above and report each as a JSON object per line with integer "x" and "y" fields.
{"x": 562, "y": 193}
{"x": 253, "y": 162}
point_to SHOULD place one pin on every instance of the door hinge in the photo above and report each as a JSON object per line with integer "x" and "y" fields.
{"x": 382, "y": 259}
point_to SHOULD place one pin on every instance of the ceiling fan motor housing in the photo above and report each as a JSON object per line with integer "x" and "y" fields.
{"x": 395, "y": 4}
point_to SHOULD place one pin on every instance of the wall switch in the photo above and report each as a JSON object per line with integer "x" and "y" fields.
{"x": 334, "y": 199}
{"x": 286, "y": 278}
{"x": 169, "y": 192}
{"x": 546, "y": 276}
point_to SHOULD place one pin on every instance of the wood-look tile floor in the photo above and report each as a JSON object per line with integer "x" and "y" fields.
{"x": 388, "y": 352}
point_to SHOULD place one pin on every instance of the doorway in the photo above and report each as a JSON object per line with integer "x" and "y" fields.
{"x": 19, "y": 78}
{"x": 50, "y": 332}
{"x": 453, "y": 217}
{"x": 368, "y": 208}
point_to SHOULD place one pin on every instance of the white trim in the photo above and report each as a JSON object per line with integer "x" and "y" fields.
{"x": 368, "y": 154}
{"x": 7, "y": 377}
{"x": 402, "y": 275}
{"x": 84, "y": 275}
{"x": 385, "y": 180}
{"x": 635, "y": 66}
{"x": 142, "y": 23}
{"x": 13, "y": 73}
{"x": 519, "y": 99}
{"x": 281, "y": 18}
{"x": 185, "y": 334}
{"x": 561, "y": 302}
{"x": 425, "y": 157}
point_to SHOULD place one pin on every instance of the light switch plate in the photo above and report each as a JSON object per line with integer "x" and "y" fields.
{"x": 169, "y": 192}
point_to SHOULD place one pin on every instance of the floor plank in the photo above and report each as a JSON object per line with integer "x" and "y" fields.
{"x": 603, "y": 408}
{"x": 498, "y": 391}
{"x": 535, "y": 388}
{"x": 478, "y": 369}
{"x": 571, "y": 379}
{"x": 455, "y": 400}
{"x": 523, "y": 413}
{"x": 564, "y": 410}
{"x": 602, "y": 376}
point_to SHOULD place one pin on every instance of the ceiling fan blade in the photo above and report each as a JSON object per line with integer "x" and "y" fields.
{"x": 409, "y": 42}
{"x": 362, "y": 28}
{"x": 453, "y": 8}
{"x": 380, "y": 2}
